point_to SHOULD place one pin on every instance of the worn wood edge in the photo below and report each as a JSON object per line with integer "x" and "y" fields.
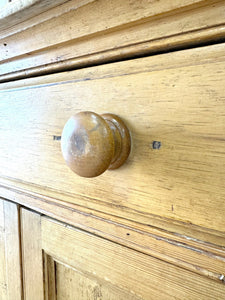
{"x": 204, "y": 55}
{"x": 160, "y": 243}
{"x": 158, "y": 46}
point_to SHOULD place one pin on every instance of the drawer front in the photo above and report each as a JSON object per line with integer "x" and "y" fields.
{"x": 175, "y": 99}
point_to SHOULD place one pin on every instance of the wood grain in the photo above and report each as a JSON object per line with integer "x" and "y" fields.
{"x": 10, "y": 262}
{"x": 182, "y": 180}
{"x": 3, "y": 280}
{"x": 130, "y": 274}
{"x": 159, "y": 24}
{"x": 32, "y": 256}
{"x": 74, "y": 283}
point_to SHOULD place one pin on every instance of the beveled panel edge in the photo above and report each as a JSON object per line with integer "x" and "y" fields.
{"x": 166, "y": 240}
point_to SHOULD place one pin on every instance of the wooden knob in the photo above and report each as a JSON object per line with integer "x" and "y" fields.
{"x": 93, "y": 143}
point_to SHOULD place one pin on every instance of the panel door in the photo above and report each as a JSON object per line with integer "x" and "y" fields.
{"x": 64, "y": 263}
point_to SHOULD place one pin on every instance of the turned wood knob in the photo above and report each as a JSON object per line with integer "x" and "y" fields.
{"x": 93, "y": 143}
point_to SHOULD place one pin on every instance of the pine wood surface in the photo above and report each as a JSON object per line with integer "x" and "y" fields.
{"x": 175, "y": 98}
{"x": 153, "y": 229}
{"x": 32, "y": 260}
{"x": 3, "y": 283}
{"x": 191, "y": 248}
{"x": 77, "y": 264}
{"x": 10, "y": 262}
{"x": 68, "y": 36}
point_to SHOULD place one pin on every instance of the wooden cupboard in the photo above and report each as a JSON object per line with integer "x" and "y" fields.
{"x": 153, "y": 228}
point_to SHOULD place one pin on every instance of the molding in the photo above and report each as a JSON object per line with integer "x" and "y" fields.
{"x": 157, "y": 28}
{"x": 178, "y": 42}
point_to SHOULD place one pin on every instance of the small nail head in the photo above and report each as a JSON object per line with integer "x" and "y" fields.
{"x": 156, "y": 145}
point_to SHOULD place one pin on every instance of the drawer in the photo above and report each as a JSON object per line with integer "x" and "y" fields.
{"x": 176, "y": 100}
